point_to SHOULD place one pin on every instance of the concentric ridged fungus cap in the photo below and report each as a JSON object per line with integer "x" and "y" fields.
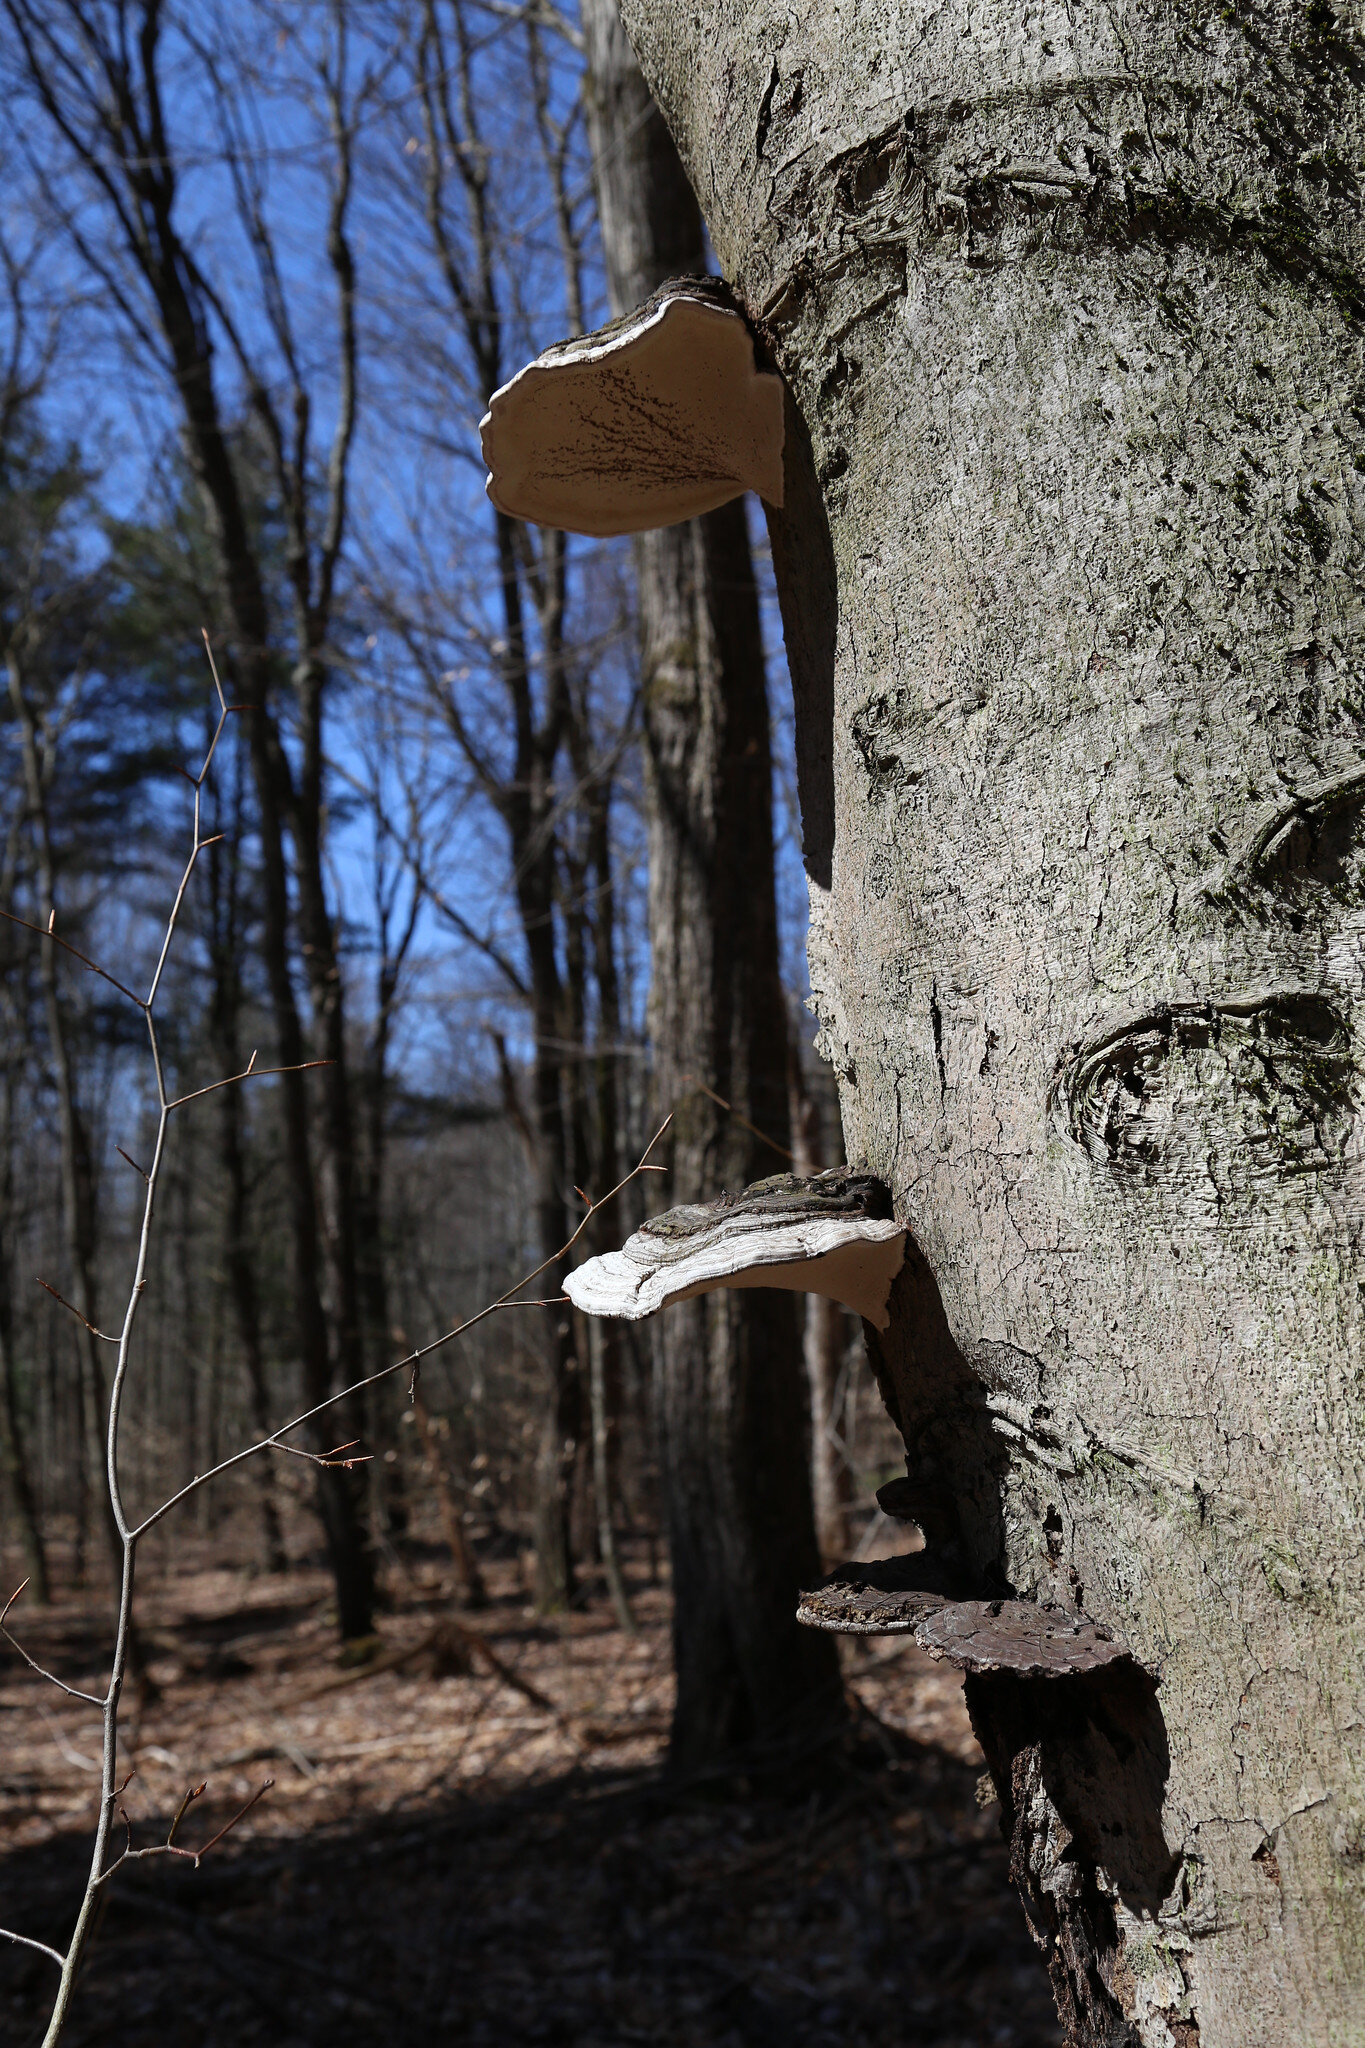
{"x": 816, "y": 1236}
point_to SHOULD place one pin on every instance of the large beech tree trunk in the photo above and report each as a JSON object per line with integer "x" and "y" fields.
{"x": 751, "y": 1684}
{"x": 1068, "y": 304}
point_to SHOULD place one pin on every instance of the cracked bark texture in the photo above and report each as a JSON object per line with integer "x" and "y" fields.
{"x": 1068, "y": 300}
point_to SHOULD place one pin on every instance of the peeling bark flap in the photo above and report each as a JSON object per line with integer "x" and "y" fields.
{"x": 908, "y": 1596}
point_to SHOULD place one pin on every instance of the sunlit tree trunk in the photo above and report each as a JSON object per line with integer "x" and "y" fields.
{"x": 1069, "y": 302}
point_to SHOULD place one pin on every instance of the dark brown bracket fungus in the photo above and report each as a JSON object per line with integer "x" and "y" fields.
{"x": 832, "y": 1234}
{"x": 910, "y": 1596}
{"x": 654, "y": 418}
{"x": 931, "y": 1507}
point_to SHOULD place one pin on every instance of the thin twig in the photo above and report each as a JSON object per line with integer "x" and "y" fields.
{"x": 413, "y": 1358}
{"x": 73, "y": 1691}
{"x": 45, "y": 931}
{"x": 250, "y": 1072}
{"x": 27, "y": 1941}
{"x": 330, "y": 1460}
{"x": 170, "y": 1847}
{"x": 101, "y": 1334}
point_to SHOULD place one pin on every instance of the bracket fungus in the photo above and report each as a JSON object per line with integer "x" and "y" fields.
{"x": 654, "y": 418}
{"x": 909, "y": 1596}
{"x": 832, "y": 1234}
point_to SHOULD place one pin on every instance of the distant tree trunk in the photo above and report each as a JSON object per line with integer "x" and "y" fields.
{"x": 225, "y": 1000}
{"x": 1069, "y": 303}
{"x": 77, "y": 1182}
{"x": 598, "y": 1342}
{"x": 728, "y": 1365}
{"x": 823, "y": 1338}
{"x": 14, "y": 1451}
{"x": 465, "y": 243}
{"x": 108, "y": 110}
{"x": 469, "y": 1582}
{"x": 389, "y": 1494}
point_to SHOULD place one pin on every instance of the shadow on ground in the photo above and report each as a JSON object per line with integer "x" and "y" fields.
{"x": 585, "y": 1909}
{"x": 483, "y": 1852}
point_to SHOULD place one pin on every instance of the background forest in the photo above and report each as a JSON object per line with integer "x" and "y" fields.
{"x": 380, "y": 214}
{"x": 263, "y": 267}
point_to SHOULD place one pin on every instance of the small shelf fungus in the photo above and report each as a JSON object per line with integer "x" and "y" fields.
{"x": 653, "y": 418}
{"x": 833, "y": 1234}
{"x": 913, "y": 1596}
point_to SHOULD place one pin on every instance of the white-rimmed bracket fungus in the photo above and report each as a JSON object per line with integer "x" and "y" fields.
{"x": 654, "y": 418}
{"x": 832, "y": 1234}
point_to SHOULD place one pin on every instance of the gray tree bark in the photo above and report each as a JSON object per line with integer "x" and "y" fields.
{"x": 752, "y": 1686}
{"x": 1069, "y": 303}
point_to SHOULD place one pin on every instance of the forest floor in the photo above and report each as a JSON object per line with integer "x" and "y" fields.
{"x": 490, "y": 1857}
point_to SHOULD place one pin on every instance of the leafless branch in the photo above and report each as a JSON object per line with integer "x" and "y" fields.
{"x": 72, "y": 1691}
{"x": 26, "y": 1941}
{"x": 170, "y": 1847}
{"x": 250, "y": 1072}
{"x": 101, "y": 1334}
{"x": 413, "y": 1359}
{"x": 329, "y": 1460}
{"x": 45, "y": 931}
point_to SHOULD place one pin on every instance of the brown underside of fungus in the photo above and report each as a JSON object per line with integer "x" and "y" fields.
{"x": 832, "y": 1234}
{"x": 910, "y": 1596}
{"x": 654, "y": 418}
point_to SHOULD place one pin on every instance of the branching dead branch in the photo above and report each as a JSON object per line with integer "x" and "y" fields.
{"x": 170, "y": 1847}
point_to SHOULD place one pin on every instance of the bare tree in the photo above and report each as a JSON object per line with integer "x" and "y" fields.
{"x": 106, "y": 1860}
{"x": 226, "y": 937}
{"x": 97, "y": 91}
{"x": 1068, "y": 303}
{"x": 15, "y": 1453}
{"x": 730, "y": 1406}
{"x": 537, "y": 749}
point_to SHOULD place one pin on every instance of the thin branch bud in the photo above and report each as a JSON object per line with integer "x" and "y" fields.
{"x": 103, "y": 1335}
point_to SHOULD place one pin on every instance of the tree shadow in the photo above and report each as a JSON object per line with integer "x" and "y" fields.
{"x": 596, "y": 1907}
